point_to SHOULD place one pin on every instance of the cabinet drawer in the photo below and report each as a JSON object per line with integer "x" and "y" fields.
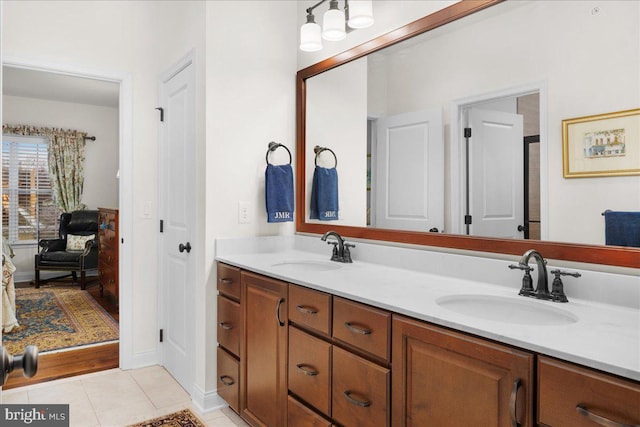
{"x": 364, "y": 327}
{"x": 360, "y": 391}
{"x": 562, "y": 387}
{"x": 229, "y": 324}
{"x": 310, "y": 309}
{"x": 310, "y": 369}
{"x": 299, "y": 415}
{"x": 228, "y": 379}
{"x": 108, "y": 278}
{"x": 229, "y": 281}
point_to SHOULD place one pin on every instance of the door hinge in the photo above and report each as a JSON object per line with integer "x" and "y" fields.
{"x": 467, "y": 132}
{"x": 162, "y": 226}
{"x": 161, "y": 335}
{"x": 161, "y": 113}
{"x": 467, "y": 219}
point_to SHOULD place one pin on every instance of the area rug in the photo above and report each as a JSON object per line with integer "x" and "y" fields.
{"x": 184, "y": 418}
{"x": 58, "y": 317}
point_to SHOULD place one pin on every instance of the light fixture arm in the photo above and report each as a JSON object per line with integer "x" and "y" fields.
{"x": 310, "y": 9}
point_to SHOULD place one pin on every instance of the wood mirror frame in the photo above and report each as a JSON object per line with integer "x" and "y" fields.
{"x": 607, "y": 255}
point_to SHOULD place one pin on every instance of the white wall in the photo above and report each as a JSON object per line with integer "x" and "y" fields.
{"x": 101, "y": 156}
{"x": 250, "y": 100}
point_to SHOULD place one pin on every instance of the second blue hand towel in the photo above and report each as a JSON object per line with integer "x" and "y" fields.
{"x": 324, "y": 194}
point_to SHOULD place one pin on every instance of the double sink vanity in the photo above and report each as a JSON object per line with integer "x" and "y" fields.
{"x": 405, "y": 336}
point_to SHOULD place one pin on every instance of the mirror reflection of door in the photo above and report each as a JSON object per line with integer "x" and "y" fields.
{"x": 504, "y": 169}
{"x": 409, "y": 171}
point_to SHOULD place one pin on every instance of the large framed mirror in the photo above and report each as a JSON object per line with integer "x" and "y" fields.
{"x": 500, "y": 57}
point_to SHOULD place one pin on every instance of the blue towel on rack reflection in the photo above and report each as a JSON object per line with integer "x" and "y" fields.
{"x": 622, "y": 228}
{"x": 324, "y": 194}
{"x": 279, "y": 193}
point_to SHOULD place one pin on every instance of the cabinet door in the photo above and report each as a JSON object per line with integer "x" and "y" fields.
{"x": 574, "y": 396}
{"x": 443, "y": 378}
{"x": 263, "y": 351}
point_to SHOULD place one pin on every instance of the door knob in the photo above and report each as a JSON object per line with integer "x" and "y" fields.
{"x": 522, "y": 228}
{"x": 28, "y": 362}
{"x": 186, "y": 247}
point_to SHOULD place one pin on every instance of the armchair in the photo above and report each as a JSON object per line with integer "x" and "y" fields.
{"x": 76, "y": 249}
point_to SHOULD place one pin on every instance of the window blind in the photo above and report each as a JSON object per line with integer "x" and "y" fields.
{"x": 28, "y": 209}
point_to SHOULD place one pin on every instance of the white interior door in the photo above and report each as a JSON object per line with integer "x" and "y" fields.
{"x": 177, "y": 213}
{"x": 409, "y": 174}
{"x": 496, "y": 172}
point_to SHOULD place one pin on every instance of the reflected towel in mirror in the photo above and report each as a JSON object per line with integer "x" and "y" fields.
{"x": 622, "y": 228}
{"x": 324, "y": 194}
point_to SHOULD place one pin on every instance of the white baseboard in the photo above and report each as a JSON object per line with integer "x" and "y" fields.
{"x": 207, "y": 401}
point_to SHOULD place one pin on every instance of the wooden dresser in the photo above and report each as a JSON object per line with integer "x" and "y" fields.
{"x": 108, "y": 251}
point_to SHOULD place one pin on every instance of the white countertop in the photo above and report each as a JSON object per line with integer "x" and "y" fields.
{"x": 605, "y": 336}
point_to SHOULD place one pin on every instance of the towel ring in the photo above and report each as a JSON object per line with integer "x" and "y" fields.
{"x": 317, "y": 149}
{"x": 273, "y": 146}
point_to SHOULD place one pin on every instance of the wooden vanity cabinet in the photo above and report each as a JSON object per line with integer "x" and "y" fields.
{"x": 570, "y": 395}
{"x": 263, "y": 351}
{"x": 445, "y": 378}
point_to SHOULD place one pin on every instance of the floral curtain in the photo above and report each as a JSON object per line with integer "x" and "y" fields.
{"x": 66, "y": 163}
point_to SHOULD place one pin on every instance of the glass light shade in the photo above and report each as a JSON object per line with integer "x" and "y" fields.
{"x": 333, "y": 27}
{"x": 310, "y": 37}
{"x": 360, "y": 13}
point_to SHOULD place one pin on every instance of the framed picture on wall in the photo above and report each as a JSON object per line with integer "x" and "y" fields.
{"x": 601, "y": 145}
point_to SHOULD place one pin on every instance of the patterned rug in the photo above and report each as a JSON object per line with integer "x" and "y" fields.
{"x": 184, "y": 418}
{"x": 58, "y": 317}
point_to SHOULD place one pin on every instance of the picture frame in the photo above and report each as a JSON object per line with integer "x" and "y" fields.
{"x": 601, "y": 145}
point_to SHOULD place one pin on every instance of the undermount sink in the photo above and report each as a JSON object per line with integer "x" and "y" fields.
{"x": 307, "y": 265}
{"x": 508, "y": 310}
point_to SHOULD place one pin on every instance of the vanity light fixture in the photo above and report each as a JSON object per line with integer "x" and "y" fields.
{"x": 335, "y": 22}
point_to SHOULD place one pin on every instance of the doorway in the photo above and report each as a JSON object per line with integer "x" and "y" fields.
{"x": 521, "y": 200}
{"x": 57, "y": 364}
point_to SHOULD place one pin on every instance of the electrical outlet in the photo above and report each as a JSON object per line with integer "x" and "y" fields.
{"x": 243, "y": 213}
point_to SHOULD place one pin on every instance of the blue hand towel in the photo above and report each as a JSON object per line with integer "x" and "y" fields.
{"x": 324, "y": 194}
{"x": 279, "y": 193}
{"x": 622, "y": 228}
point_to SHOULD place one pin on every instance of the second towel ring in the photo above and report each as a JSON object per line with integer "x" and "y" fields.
{"x": 317, "y": 149}
{"x": 273, "y": 146}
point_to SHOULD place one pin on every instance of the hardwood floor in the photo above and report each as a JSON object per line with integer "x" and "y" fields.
{"x": 80, "y": 361}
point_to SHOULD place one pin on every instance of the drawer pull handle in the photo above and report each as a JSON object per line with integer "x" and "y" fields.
{"x": 357, "y": 330}
{"x": 361, "y": 403}
{"x": 226, "y": 281}
{"x": 226, "y": 326}
{"x": 513, "y": 403}
{"x": 280, "y": 322}
{"x": 227, "y": 380}
{"x": 599, "y": 419}
{"x": 306, "y": 310}
{"x": 307, "y": 370}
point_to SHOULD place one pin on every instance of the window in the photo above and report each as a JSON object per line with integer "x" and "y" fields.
{"x": 28, "y": 210}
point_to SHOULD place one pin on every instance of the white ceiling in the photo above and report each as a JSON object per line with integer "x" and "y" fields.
{"x": 58, "y": 87}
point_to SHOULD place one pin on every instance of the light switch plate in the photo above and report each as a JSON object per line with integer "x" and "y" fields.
{"x": 244, "y": 212}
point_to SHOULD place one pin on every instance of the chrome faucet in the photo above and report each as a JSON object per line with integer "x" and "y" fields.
{"x": 341, "y": 252}
{"x": 542, "y": 287}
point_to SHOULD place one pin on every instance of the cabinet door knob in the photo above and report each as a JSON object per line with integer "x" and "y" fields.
{"x": 599, "y": 419}
{"x": 361, "y": 403}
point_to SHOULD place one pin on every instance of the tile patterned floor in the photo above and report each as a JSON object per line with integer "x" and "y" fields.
{"x": 117, "y": 398}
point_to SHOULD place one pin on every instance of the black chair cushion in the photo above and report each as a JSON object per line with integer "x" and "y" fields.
{"x": 79, "y": 223}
